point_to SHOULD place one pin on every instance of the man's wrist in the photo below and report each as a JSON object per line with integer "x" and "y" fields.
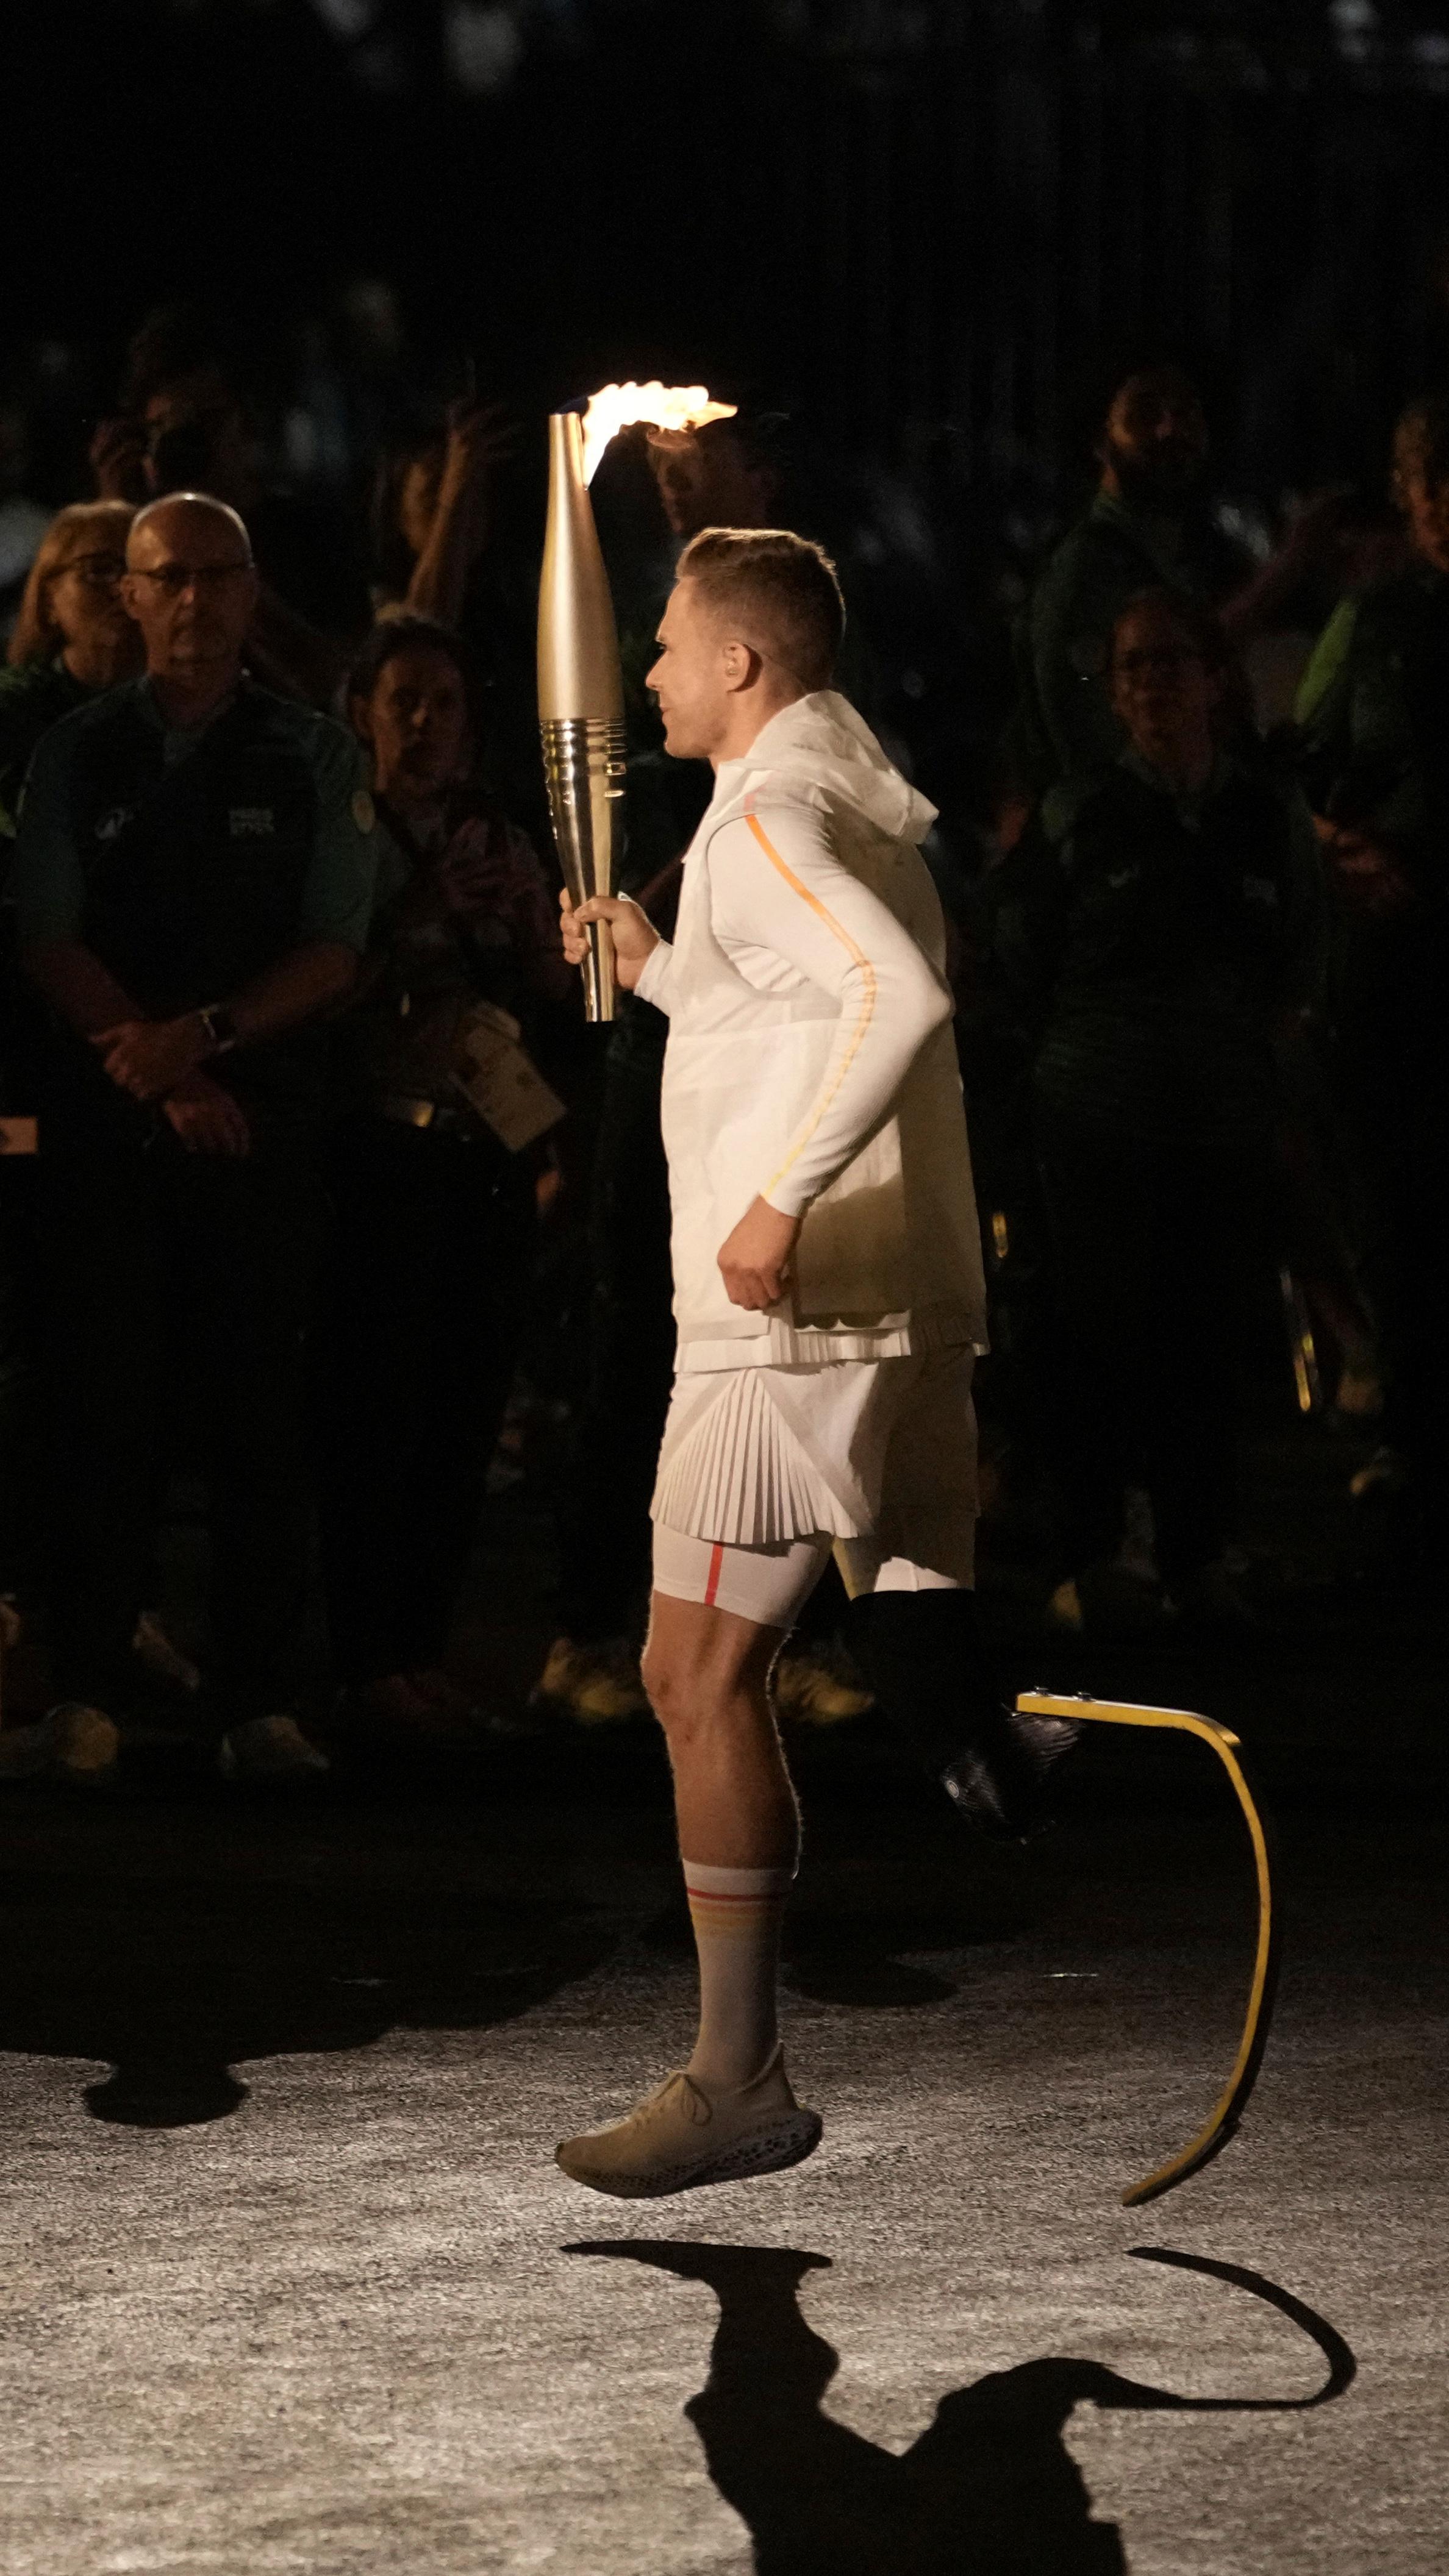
{"x": 218, "y": 1030}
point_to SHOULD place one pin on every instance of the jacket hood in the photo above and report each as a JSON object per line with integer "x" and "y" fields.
{"x": 819, "y": 752}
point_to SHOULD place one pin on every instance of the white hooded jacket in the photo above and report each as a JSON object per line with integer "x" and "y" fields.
{"x": 810, "y": 1057}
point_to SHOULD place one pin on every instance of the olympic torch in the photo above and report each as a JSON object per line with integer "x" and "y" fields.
{"x": 580, "y": 684}
{"x": 581, "y": 699}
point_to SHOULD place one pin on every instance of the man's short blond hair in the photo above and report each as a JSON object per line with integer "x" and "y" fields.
{"x": 783, "y": 590}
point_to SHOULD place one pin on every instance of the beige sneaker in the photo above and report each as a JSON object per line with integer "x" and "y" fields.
{"x": 599, "y": 1685}
{"x": 682, "y": 2137}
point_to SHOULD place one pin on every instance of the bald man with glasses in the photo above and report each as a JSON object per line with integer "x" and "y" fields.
{"x": 193, "y": 879}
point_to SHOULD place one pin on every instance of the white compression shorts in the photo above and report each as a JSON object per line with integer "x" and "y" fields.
{"x": 758, "y": 1482}
{"x": 771, "y": 1585}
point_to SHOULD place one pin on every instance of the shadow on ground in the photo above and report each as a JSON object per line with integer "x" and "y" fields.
{"x": 989, "y": 2486}
{"x": 177, "y": 1981}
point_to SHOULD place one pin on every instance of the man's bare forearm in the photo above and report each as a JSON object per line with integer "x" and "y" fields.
{"x": 440, "y": 575}
{"x": 301, "y": 985}
{"x": 79, "y": 987}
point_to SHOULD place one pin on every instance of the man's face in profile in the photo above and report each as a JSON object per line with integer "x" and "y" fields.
{"x": 1156, "y": 439}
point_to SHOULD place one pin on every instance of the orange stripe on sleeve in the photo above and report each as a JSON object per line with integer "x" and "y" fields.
{"x": 867, "y": 1003}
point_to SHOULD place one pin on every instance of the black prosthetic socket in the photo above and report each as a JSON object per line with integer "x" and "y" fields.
{"x": 932, "y": 1673}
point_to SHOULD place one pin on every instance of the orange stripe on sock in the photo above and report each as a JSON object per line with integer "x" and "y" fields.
{"x": 716, "y": 1562}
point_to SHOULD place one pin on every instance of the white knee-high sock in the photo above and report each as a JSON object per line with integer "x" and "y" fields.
{"x": 736, "y": 1915}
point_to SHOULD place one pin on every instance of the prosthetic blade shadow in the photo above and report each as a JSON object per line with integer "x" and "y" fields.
{"x": 989, "y": 2486}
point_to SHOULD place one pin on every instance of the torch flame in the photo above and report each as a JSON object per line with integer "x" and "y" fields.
{"x": 663, "y": 406}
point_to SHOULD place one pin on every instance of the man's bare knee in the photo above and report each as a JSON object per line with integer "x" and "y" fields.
{"x": 660, "y": 1674}
{"x": 700, "y": 1666}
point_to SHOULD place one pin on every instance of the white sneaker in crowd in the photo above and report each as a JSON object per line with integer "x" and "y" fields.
{"x": 683, "y": 2136}
{"x": 269, "y": 1750}
{"x": 161, "y": 1657}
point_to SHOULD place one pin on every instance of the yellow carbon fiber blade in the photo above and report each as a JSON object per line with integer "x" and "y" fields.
{"x": 1224, "y": 2118}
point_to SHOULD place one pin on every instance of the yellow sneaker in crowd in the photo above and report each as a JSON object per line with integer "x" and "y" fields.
{"x": 683, "y": 2136}
{"x": 598, "y": 1684}
{"x": 814, "y": 1684}
{"x": 71, "y": 1742}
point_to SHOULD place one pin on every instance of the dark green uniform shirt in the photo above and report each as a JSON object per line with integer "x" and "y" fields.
{"x": 1148, "y": 938}
{"x": 190, "y": 863}
{"x": 1067, "y": 725}
{"x": 33, "y": 697}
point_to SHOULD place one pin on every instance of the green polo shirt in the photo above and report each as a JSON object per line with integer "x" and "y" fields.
{"x": 261, "y": 773}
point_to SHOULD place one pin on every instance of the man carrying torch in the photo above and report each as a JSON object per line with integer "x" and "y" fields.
{"x": 828, "y": 1292}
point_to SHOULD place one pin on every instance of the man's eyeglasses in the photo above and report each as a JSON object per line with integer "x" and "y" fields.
{"x": 170, "y": 580}
{"x": 98, "y": 572}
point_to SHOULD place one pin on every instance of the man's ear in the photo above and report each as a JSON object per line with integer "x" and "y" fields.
{"x": 740, "y": 664}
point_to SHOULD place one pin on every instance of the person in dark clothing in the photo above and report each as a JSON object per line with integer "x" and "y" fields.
{"x": 429, "y": 1256}
{"x": 1146, "y": 529}
{"x": 1374, "y": 761}
{"x": 185, "y": 427}
{"x": 1151, "y": 926}
{"x": 193, "y": 881}
{"x": 71, "y": 638}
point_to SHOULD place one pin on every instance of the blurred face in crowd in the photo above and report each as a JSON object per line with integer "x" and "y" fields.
{"x": 84, "y": 604}
{"x": 1163, "y": 692}
{"x": 197, "y": 438}
{"x": 1425, "y": 498}
{"x": 1154, "y": 447}
{"x": 191, "y": 589}
{"x": 416, "y": 725}
{"x": 706, "y": 480}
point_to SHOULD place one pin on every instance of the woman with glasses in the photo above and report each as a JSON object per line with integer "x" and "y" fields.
{"x": 71, "y": 638}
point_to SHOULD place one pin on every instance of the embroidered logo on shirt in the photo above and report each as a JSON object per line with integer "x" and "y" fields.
{"x": 364, "y": 812}
{"x": 1260, "y": 890}
{"x": 112, "y": 825}
{"x": 251, "y": 822}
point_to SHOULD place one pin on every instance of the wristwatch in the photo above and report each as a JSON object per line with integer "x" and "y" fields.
{"x": 219, "y": 1028}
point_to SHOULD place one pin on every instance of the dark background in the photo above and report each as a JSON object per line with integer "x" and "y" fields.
{"x": 952, "y": 222}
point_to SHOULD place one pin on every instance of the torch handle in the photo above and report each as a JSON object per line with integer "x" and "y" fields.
{"x": 584, "y": 765}
{"x": 599, "y": 973}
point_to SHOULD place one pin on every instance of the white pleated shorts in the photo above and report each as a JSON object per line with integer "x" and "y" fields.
{"x": 877, "y": 1457}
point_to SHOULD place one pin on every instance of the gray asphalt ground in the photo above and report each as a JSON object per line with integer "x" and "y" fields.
{"x": 292, "y": 2283}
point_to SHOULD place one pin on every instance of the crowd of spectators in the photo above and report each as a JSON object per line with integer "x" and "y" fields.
{"x": 306, "y": 1150}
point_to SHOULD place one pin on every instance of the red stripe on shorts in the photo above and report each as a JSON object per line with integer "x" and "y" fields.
{"x": 716, "y": 1560}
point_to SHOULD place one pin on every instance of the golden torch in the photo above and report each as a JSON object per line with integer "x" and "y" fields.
{"x": 580, "y": 685}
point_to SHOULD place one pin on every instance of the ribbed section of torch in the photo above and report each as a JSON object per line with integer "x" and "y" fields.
{"x": 583, "y": 764}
